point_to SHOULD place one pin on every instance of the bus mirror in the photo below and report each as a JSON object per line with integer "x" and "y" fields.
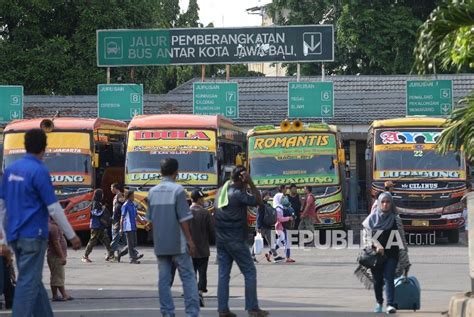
{"x": 211, "y": 161}
{"x": 341, "y": 155}
{"x": 95, "y": 160}
{"x": 368, "y": 155}
{"x": 458, "y": 159}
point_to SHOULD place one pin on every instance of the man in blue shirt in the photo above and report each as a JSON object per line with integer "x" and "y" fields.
{"x": 128, "y": 225}
{"x": 28, "y": 200}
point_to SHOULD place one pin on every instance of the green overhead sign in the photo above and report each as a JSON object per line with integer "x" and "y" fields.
{"x": 310, "y": 100}
{"x": 429, "y": 97}
{"x": 11, "y": 103}
{"x": 216, "y": 98}
{"x": 305, "y": 43}
{"x": 119, "y": 101}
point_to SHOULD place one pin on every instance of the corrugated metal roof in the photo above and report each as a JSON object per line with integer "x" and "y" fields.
{"x": 263, "y": 100}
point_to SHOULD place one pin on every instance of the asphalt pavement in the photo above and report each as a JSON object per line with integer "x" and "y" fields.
{"x": 320, "y": 283}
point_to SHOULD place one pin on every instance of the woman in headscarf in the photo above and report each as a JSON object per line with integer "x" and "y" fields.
{"x": 98, "y": 229}
{"x": 383, "y": 231}
{"x": 279, "y": 202}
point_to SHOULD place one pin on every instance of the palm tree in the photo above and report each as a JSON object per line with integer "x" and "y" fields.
{"x": 447, "y": 39}
{"x": 459, "y": 132}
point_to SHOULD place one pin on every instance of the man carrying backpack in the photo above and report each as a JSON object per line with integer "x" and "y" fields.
{"x": 266, "y": 218}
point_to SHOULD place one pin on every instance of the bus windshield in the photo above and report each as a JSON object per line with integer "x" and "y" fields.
{"x": 418, "y": 164}
{"x": 412, "y": 154}
{"x": 65, "y": 168}
{"x": 299, "y": 158}
{"x": 195, "y": 151}
{"x": 68, "y": 156}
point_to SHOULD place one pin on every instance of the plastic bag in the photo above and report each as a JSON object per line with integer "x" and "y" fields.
{"x": 258, "y": 244}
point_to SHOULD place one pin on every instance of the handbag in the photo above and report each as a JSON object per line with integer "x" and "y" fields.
{"x": 289, "y": 225}
{"x": 106, "y": 218}
{"x": 370, "y": 259}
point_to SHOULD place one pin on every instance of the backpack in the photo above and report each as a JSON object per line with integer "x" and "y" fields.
{"x": 269, "y": 216}
{"x": 106, "y": 218}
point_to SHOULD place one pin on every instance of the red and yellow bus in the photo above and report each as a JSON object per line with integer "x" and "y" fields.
{"x": 206, "y": 148}
{"x": 81, "y": 155}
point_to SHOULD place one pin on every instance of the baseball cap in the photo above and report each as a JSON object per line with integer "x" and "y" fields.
{"x": 196, "y": 194}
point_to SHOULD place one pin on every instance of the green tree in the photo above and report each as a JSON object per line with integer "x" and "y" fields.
{"x": 447, "y": 39}
{"x": 371, "y": 37}
{"x": 49, "y": 46}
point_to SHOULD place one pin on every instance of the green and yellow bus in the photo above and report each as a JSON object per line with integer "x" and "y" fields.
{"x": 303, "y": 154}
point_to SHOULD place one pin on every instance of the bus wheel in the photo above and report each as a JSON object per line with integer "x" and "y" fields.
{"x": 453, "y": 235}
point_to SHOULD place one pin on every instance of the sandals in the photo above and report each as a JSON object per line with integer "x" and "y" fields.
{"x": 86, "y": 259}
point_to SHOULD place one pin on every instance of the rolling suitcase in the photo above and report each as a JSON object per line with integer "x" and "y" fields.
{"x": 407, "y": 293}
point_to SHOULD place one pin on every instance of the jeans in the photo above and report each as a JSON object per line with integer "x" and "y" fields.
{"x": 184, "y": 264}
{"x": 267, "y": 236}
{"x": 131, "y": 247}
{"x": 31, "y": 298}
{"x": 117, "y": 239}
{"x": 200, "y": 269}
{"x": 282, "y": 241}
{"x": 227, "y": 253}
{"x": 385, "y": 273}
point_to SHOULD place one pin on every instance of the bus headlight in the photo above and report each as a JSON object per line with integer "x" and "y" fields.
{"x": 329, "y": 208}
{"x": 139, "y": 206}
{"x": 452, "y": 208}
{"x": 80, "y": 206}
{"x": 208, "y": 204}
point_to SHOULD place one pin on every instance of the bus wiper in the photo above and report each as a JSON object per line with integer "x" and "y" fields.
{"x": 86, "y": 169}
{"x": 154, "y": 179}
{"x": 145, "y": 184}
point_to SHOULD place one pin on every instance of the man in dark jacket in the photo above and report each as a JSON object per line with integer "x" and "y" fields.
{"x": 202, "y": 231}
{"x": 231, "y": 237}
{"x": 295, "y": 201}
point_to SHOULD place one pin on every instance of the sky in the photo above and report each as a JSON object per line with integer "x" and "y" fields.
{"x": 227, "y": 13}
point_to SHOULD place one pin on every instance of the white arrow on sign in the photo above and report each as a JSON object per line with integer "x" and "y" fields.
{"x": 312, "y": 43}
{"x": 325, "y": 110}
{"x": 14, "y": 114}
{"x": 445, "y": 108}
{"x": 230, "y": 111}
{"x": 134, "y": 112}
